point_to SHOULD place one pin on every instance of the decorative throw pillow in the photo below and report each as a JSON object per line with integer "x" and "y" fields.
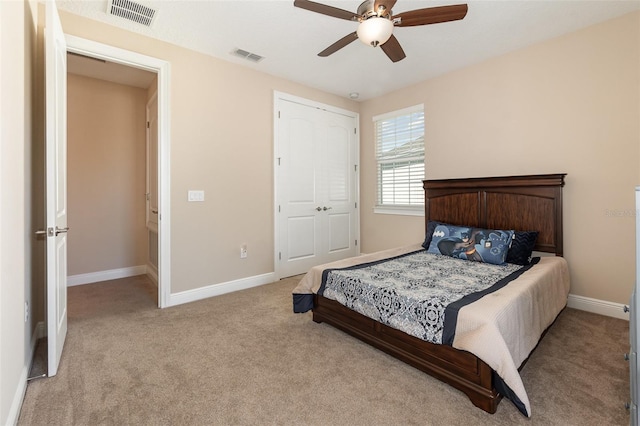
{"x": 521, "y": 248}
{"x": 464, "y": 242}
{"x": 431, "y": 226}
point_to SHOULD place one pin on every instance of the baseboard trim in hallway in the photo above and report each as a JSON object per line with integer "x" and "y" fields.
{"x": 113, "y": 274}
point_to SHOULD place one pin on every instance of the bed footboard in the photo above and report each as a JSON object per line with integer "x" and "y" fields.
{"x": 460, "y": 369}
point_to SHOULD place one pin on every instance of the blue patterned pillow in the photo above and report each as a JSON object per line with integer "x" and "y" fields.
{"x": 431, "y": 226}
{"x": 522, "y": 247}
{"x": 464, "y": 242}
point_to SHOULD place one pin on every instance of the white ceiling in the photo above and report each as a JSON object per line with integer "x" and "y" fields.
{"x": 289, "y": 38}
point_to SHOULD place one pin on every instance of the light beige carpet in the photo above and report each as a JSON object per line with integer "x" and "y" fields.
{"x": 245, "y": 359}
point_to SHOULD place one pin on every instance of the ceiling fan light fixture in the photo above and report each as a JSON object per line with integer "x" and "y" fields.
{"x": 375, "y": 31}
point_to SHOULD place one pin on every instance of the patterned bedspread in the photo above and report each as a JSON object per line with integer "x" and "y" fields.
{"x": 412, "y": 292}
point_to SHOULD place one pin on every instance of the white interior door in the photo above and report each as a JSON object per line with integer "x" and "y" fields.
{"x": 152, "y": 187}
{"x": 298, "y": 164}
{"x": 316, "y": 181}
{"x": 56, "y": 186}
{"x": 152, "y": 164}
{"x": 338, "y": 179}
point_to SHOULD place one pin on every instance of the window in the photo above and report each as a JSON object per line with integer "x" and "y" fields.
{"x": 400, "y": 161}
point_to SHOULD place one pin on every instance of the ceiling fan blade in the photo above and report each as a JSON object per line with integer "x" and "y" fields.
{"x": 431, "y": 15}
{"x": 387, "y": 4}
{"x": 339, "y": 44}
{"x": 326, "y": 10}
{"x": 393, "y": 49}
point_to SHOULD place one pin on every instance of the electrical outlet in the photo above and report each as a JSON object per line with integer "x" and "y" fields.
{"x": 243, "y": 251}
{"x": 26, "y": 311}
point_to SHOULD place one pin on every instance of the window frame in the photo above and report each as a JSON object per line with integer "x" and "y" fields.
{"x": 397, "y": 209}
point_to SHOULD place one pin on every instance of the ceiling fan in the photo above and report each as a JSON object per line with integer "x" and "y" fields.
{"x": 377, "y": 21}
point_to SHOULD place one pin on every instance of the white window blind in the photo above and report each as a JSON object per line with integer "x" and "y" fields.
{"x": 400, "y": 158}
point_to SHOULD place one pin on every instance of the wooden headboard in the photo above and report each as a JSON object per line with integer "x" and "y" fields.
{"x": 521, "y": 203}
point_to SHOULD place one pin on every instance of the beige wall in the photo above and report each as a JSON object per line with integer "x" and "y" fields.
{"x": 106, "y": 149}
{"x": 569, "y": 105}
{"x": 222, "y": 143}
{"x": 566, "y": 105}
{"x": 17, "y": 51}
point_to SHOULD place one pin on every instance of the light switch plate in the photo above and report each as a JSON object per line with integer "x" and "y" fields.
{"x": 195, "y": 195}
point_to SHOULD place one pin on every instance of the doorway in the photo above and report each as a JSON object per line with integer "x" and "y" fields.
{"x": 88, "y": 48}
{"x": 106, "y": 168}
{"x": 57, "y": 45}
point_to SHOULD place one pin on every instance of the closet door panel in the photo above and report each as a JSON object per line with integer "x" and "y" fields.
{"x": 315, "y": 186}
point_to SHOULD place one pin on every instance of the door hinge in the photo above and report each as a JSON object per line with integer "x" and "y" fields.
{"x": 278, "y": 114}
{"x": 355, "y": 131}
{"x": 278, "y": 208}
{"x": 356, "y": 242}
{"x": 148, "y": 125}
{"x": 356, "y": 203}
{"x": 279, "y": 161}
{"x": 355, "y": 167}
{"x": 279, "y": 255}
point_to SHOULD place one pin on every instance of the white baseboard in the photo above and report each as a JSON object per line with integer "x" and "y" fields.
{"x": 18, "y": 398}
{"x": 38, "y": 333}
{"x": 218, "y": 289}
{"x": 152, "y": 273}
{"x": 41, "y": 331}
{"x": 113, "y": 274}
{"x": 602, "y": 307}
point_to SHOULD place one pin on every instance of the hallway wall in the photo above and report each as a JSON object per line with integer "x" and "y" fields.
{"x": 106, "y": 175}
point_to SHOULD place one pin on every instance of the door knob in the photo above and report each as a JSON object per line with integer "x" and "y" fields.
{"x": 50, "y": 232}
{"x": 319, "y": 208}
{"x": 61, "y": 230}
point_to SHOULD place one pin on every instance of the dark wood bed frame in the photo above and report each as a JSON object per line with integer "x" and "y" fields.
{"x": 524, "y": 203}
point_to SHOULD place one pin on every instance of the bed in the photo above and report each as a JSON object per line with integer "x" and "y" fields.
{"x": 495, "y": 334}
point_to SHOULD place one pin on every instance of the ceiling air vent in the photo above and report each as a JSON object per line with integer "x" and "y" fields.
{"x": 247, "y": 55}
{"x": 132, "y": 11}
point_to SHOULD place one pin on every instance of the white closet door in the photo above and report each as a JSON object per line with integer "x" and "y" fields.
{"x": 339, "y": 188}
{"x": 316, "y": 182}
{"x": 300, "y": 196}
